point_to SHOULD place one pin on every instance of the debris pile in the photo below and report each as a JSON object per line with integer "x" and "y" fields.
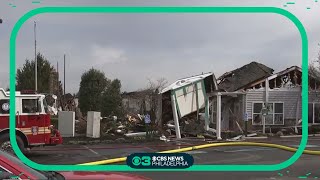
{"x": 132, "y": 125}
{"x": 81, "y": 126}
{"x": 190, "y": 127}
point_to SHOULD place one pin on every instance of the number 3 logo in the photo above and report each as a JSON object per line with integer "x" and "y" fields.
{"x": 146, "y": 161}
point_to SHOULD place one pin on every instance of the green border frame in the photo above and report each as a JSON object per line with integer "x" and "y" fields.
{"x": 190, "y": 10}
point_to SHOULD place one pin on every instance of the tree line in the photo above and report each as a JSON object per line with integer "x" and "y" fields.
{"x": 96, "y": 91}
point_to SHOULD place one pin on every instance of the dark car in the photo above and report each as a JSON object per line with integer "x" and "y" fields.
{"x": 12, "y": 168}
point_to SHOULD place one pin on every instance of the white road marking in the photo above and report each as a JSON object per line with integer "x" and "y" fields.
{"x": 91, "y": 150}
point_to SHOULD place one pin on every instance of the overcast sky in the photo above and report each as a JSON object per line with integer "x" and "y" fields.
{"x": 135, "y": 47}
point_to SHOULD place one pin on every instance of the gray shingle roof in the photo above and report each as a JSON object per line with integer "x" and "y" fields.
{"x": 245, "y": 75}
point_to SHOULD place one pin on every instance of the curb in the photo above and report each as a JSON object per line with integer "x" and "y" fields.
{"x": 293, "y": 136}
{"x": 263, "y": 137}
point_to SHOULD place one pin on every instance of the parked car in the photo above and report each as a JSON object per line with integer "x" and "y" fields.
{"x": 11, "y": 168}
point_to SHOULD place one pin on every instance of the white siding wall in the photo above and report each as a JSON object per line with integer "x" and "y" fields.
{"x": 290, "y": 99}
{"x": 187, "y": 102}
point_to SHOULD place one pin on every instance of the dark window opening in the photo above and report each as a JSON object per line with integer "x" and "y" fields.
{"x": 30, "y": 106}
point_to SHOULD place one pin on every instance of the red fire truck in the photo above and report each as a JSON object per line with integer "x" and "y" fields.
{"x": 33, "y": 124}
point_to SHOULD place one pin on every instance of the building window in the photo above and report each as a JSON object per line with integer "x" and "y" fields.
{"x": 256, "y": 115}
{"x": 310, "y": 113}
{"x": 314, "y": 113}
{"x": 317, "y": 113}
{"x": 275, "y": 113}
{"x": 278, "y": 114}
{"x": 4, "y": 104}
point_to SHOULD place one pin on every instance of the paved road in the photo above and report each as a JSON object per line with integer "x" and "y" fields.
{"x": 74, "y": 154}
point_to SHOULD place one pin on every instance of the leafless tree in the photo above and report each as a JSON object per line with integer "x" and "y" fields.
{"x": 314, "y": 68}
{"x": 158, "y": 84}
{"x": 314, "y": 71}
{"x": 151, "y": 92}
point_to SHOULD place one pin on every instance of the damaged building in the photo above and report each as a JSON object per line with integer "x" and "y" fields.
{"x": 238, "y": 96}
{"x": 141, "y": 102}
{"x": 137, "y": 102}
{"x": 183, "y": 101}
{"x": 283, "y": 97}
{"x": 233, "y": 86}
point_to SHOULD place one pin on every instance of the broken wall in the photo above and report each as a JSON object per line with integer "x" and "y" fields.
{"x": 232, "y": 113}
{"x": 237, "y": 111}
{"x": 166, "y": 113}
{"x": 138, "y": 103}
{"x": 190, "y": 98}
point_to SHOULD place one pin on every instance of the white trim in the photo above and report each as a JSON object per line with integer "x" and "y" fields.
{"x": 18, "y": 94}
{"x": 185, "y": 81}
{"x": 9, "y": 172}
{"x": 5, "y": 169}
{"x": 272, "y": 77}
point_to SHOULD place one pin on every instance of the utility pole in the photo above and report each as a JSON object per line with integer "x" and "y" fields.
{"x": 58, "y": 101}
{"x": 266, "y": 101}
{"x": 265, "y": 106}
{"x": 64, "y": 76}
{"x": 35, "y": 59}
{"x": 57, "y": 77}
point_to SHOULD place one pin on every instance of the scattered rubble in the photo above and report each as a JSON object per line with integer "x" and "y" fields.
{"x": 135, "y": 134}
{"x": 279, "y": 133}
{"x": 130, "y": 126}
{"x": 163, "y": 138}
{"x": 252, "y": 135}
{"x": 237, "y": 138}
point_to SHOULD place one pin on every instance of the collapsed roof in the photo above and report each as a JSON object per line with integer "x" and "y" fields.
{"x": 243, "y": 76}
{"x": 186, "y": 81}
